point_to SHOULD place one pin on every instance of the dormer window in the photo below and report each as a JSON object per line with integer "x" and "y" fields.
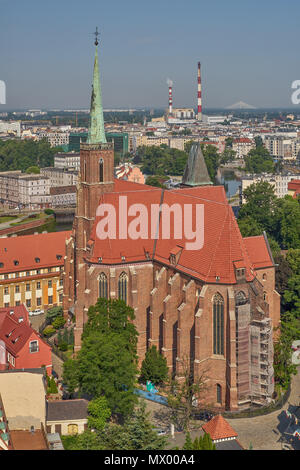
{"x": 100, "y": 259}
{"x": 58, "y": 256}
{"x": 37, "y": 260}
{"x": 123, "y": 258}
{"x": 172, "y": 259}
{"x": 16, "y": 262}
{"x": 1, "y": 265}
{"x": 240, "y": 271}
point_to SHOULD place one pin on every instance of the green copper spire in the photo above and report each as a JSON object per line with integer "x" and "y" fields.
{"x": 96, "y": 134}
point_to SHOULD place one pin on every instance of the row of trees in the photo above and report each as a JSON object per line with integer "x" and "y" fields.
{"x": 26, "y": 154}
{"x": 164, "y": 161}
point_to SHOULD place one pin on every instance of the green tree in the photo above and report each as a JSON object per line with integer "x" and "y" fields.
{"x": 183, "y": 390}
{"x": 188, "y": 444}
{"x": 99, "y": 413}
{"x": 71, "y": 337}
{"x": 107, "y": 361}
{"x": 53, "y": 312}
{"x": 249, "y": 227}
{"x": 136, "y": 433}
{"x": 288, "y": 215}
{"x": 283, "y": 367}
{"x": 154, "y": 367}
{"x": 58, "y": 322}
{"x": 200, "y": 443}
{"x": 33, "y": 169}
{"x": 22, "y": 154}
{"x": 156, "y": 181}
{"x": 261, "y": 204}
{"x": 259, "y": 161}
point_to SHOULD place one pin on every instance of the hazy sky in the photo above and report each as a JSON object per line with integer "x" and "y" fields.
{"x": 249, "y": 51}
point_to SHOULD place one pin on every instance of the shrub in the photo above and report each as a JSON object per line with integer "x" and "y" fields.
{"x": 58, "y": 322}
{"x": 63, "y": 346}
{"x": 54, "y": 312}
{"x": 49, "y": 211}
{"x": 49, "y": 331}
{"x": 52, "y": 388}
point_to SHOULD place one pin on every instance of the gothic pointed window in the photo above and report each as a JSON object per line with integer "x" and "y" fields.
{"x": 103, "y": 286}
{"x": 219, "y": 393}
{"x": 101, "y": 164}
{"x": 218, "y": 324}
{"x": 122, "y": 287}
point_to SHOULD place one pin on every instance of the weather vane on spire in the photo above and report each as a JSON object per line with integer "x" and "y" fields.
{"x": 96, "y": 35}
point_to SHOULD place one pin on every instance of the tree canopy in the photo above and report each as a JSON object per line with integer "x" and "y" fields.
{"x": 107, "y": 361}
{"x": 154, "y": 367}
{"x": 23, "y": 154}
{"x": 259, "y": 160}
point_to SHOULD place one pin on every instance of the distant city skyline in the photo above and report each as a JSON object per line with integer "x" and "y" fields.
{"x": 248, "y": 52}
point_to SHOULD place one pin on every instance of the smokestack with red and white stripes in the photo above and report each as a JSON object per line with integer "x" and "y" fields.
{"x": 199, "y": 110}
{"x": 170, "y": 83}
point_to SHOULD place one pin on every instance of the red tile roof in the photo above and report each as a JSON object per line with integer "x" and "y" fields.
{"x": 242, "y": 140}
{"x": 15, "y": 334}
{"x": 26, "y": 248}
{"x": 27, "y": 440}
{"x": 258, "y": 252}
{"x": 219, "y": 428}
{"x": 223, "y": 243}
{"x": 19, "y": 311}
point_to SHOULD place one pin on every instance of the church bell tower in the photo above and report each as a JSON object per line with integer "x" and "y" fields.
{"x": 96, "y": 177}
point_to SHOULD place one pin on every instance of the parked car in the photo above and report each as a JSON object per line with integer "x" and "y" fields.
{"x": 160, "y": 432}
{"x": 203, "y": 416}
{"x": 37, "y": 311}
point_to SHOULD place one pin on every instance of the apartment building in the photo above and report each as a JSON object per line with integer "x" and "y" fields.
{"x": 26, "y": 191}
{"x": 242, "y": 146}
{"x": 63, "y": 196}
{"x": 67, "y": 160}
{"x": 279, "y": 182}
{"x": 31, "y": 268}
{"x": 286, "y": 148}
{"x": 10, "y": 127}
{"x": 60, "y": 176}
{"x": 55, "y": 139}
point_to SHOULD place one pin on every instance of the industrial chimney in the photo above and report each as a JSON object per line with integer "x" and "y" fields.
{"x": 170, "y": 83}
{"x": 199, "y": 95}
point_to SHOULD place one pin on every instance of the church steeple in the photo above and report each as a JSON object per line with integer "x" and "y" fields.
{"x": 96, "y": 134}
{"x": 195, "y": 173}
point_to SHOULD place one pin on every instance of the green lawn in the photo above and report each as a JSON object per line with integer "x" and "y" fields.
{"x": 7, "y": 218}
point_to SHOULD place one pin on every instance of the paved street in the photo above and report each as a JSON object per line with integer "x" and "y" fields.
{"x": 263, "y": 432}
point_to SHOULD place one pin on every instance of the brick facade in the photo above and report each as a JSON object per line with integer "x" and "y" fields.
{"x": 174, "y": 310}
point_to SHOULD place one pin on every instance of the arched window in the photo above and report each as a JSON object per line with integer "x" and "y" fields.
{"x": 219, "y": 393}
{"x": 101, "y": 164}
{"x": 264, "y": 277}
{"x": 240, "y": 298}
{"x": 265, "y": 297}
{"x": 103, "y": 286}
{"x": 218, "y": 324}
{"x": 122, "y": 287}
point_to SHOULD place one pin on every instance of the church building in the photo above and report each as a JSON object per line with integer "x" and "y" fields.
{"x": 200, "y": 292}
